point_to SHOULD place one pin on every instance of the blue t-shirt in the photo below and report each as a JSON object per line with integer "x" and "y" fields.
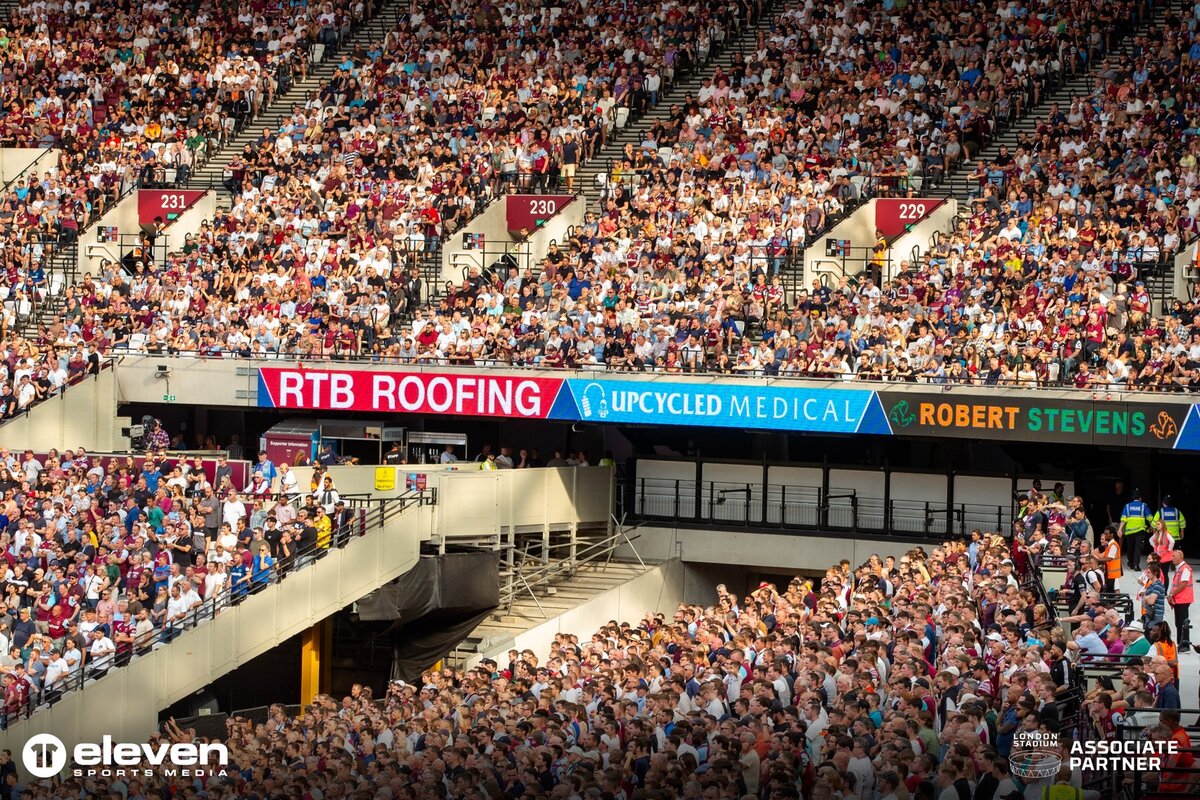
{"x": 152, "y": 479}
{"x": 262, "y": 568}
{"x": 236, "y": 573}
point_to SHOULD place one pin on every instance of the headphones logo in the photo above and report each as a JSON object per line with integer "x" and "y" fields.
{"x": 594, "y": 401}
{"x": 44, "y": 755}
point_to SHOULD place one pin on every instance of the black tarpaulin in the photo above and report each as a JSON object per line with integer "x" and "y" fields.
{"x": 433, "y": 607}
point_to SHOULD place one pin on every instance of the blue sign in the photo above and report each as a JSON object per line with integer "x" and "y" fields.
{"x": 749, "y": 405}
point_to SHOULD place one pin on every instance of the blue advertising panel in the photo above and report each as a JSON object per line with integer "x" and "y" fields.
{"x": 749, "y": 405}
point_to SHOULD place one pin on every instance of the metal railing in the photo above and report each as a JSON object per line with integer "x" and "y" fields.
{"x": 526, "y": 574}
{"x": 767, "y": 506}
{"x": 333, "y": 358}
{"x": 519, "y": 578}
{"x": 368, "y": 515}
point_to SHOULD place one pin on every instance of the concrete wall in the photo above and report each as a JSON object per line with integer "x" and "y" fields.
{"x": 859, "y": 228}
{"x": 1185, "y": 271}
{"x": 15, "y": 160}
{"x": 768, "y": 551}
{"x": 124, "y": 217}
{"x": 919, "y": 237}
{"x": 189, "y": 221}
{"x": 83, "y": 416}
{"x": 493, "y": 224}
{"x": 129, "y": 698}
{"x": 658, "y": 589}
{"x": 499, "y": 501}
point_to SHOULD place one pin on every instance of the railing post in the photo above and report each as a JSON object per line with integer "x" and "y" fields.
{"x": 926, "y": 524}
{"x": 676, "y": 515}
{"x": 854, "y": 511}
{"x": 746, "y": 513}
{"x": 765, "y": 483}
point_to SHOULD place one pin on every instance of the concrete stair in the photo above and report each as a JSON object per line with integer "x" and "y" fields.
{"x": 209, "y": 176}
{"x": 957, "y": 184}
{"x": 722, "y": 58}
{"x": 61, "y": 267}
{"x": 500, "y": 629}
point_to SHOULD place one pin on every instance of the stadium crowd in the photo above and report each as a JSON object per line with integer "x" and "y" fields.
{"x": 103, "y": 560}
{"x": 904, "y": 677}
{"x": 1041, "y": 284}
{"x": 129, "y": 91}
{"x": 128, "y": 94}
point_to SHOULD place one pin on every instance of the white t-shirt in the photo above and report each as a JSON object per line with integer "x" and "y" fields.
{"x": 55, "y": 670}
{"x": 102, "y": 653}
{"x": 231, "y": 512}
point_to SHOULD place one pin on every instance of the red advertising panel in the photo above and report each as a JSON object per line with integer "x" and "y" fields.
{"x": 408, "y": 392}
{"x": 532, "y": 210}
{"x": 165, "y": 203}
{"x": 894, "y": 215}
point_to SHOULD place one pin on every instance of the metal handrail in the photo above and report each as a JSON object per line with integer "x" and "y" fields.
{"x": 547, "y": 573}
{"x": 332, "y": 360}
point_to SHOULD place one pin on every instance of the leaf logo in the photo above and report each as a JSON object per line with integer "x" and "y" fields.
{"x": 901, "y": 415}
{"x": 1166, "y": 427}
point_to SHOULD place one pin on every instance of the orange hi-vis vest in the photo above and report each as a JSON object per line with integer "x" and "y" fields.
{"x": 1112, "y": 564}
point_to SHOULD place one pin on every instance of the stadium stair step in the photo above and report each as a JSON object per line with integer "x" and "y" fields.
{"x": 1079, "y": 86}
{"x": 211, "y": 174}
{"x": 1159, "y": 284}
{"x": 500, "y": 629}
{"x": 588, "y": 174}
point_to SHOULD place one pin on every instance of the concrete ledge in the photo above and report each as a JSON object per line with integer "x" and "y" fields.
{"x": 659, "y": 588}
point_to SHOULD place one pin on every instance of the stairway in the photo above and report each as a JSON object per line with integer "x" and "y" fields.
{"x": 61, "y": 266}
{"x": 499, "y": 631}
{"x": 722, "y": 58}
{"x": 958, "y": 183}
{"x": 209, "y": 176}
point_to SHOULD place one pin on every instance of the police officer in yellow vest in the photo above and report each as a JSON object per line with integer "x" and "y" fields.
{"x": 1061, "y": 790}
{"x": 1135, "y": 521}
{"x": 1172, "y": 519}
{"x": 489, "y": 462}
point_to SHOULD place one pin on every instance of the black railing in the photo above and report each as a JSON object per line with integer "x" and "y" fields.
{"x": 366, "y": 514}
{"x": 772, "y": 506}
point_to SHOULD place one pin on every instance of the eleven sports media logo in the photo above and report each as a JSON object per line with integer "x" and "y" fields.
{"x": 46, "y": 756}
